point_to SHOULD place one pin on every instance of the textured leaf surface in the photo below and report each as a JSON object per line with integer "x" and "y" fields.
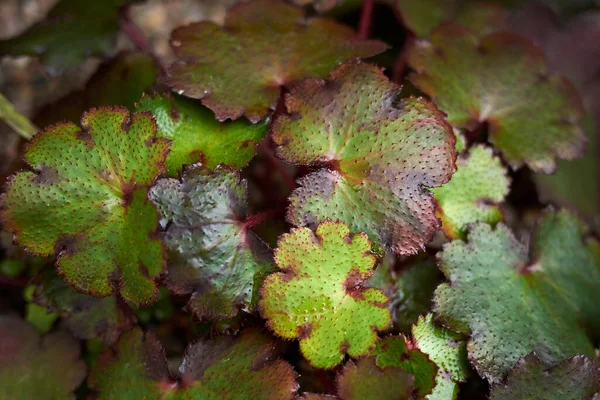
{"x": 197, "y": 137}
{"x": 381, "y": 151}
{"x": 364, "y": 380}
{"x": 72, "y": 31}
{"x": 37, "y": 368}
{"x": 221, "y": 369}
{"x": 211, "y": 253}
{"x": 512, "y": 304}
{"x": 318, "y": 296}
{"x": 87, "y": 317}
{"x": 238, "y": 69}
{"x": 446, "y": 349}
{"x": 573, "y": 379}
{"x": 410, "y": 290}
{"x": 120, "y": 81}
{"x": 472, "y": 195}
{"x": 85, "y": 200}
{"x": 393, "y": 351}
{"x": 423, "y": 16}
{"x": 501, "y": 79}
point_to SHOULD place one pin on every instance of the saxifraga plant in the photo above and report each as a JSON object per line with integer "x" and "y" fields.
{"x": 294, "y": 209}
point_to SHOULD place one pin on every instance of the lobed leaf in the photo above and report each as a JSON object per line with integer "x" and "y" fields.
{"x": 212, "y": 254}
{"x": 577, "y": 377}
{"x": 37, "y": 368}
{"x": 501, "y": 79}
{"x": 446, "y": 349}
{"x": 512, "y": 304}
{"x": 380, "y": 152}
{"x": 197, "y": 137}
{"x": 319, "y": 298}
{"x": 72, "y": 31}
{"x": 238, "y": 69}
{"x": 224, "y": 368}
{"x": 85, "y": 201}
{"x": 479, "y": 184}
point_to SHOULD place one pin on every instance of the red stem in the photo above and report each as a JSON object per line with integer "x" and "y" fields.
{"x": 366, "y": 17}
{"x": 135, "y": 34}
{"x": 398, "y": 71}
{"x": 257, "y": 219}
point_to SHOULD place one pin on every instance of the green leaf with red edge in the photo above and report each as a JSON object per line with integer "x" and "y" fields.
{"x": 410, "y": 288}
{"x": 197, "y": 137}
{"x": 423, "y": 16}
{"x": 85, "y": 200}
{"x": 479, "y": 184}
{"x": 238, "y": 69}
{"x": 395, "y": 351}
{"x": 512, "y": 304}
{"x": 225, "y": 368}
{"x": 364, "y": 380}
{"x": 119, "y": 81}
{"x": 213, "y": 254}
{"x": 319, "y": 297}
{"x": 380, "y": 152}
{"x": 577, "y": 377}
{"x": 37, "y": 368}
{"x": 87, "y": 317}
{"x": 72, "y": 31}
{"x": 448, "y": 351}
{"x": 501, "y": 79}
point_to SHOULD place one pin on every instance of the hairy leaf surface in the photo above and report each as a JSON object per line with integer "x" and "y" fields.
{"x": 577, "y": 377}
{"x": 197, "y": 137}
{"x": 85, "y": 201}
{"x": 501, "y": 79}
{"x": 211, "y": 252}
{"x": 238, "y": 69}
{"x": 380, "y": 152}
{"x": 512, "y": 303}
{"x": 319, "y": 298}
{"x": 224, "y": 368}
{"x": 446, "y": 349}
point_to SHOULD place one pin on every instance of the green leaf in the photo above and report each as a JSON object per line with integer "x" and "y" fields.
{"x": 85, "y": 201}
{"x": 512, "y": 304}
{"x": 472, "y": 195}
{"x": 446, "y": 349}
{"x": 238, "y": 69}
{"x": 576, "y": 184}
{"x": 198, "y": 137}
{"x": 212, "y": 254}
{"x": 366, "y": 381}
{"x": 380, "y": 152}
{"x": 575, "y": 378}
{"x": 319, "y": 298}
{"x": 72, "y": 31}
{"x": 15, "y": 119}
{"x": 393, "y": 351}
{"x": 119, "y": 81}
{"x": 410, "y": 290}
{"x": 37, "y": 368}
{"x": 37, "y": 316}
{"x": 87, "y": 317}
{"x": 533, "y": 116}
{"x": 423, "y": 16}
{"x": 224, "y": 368}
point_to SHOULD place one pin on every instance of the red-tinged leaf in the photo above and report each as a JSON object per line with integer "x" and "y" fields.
{"x": 238, "y": 69}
